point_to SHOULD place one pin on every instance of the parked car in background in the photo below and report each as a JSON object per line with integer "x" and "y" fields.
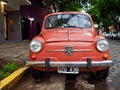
{"x": 69, "y": 44}
{"x": 118, "y": 35}
{"x": 113, "y": 35}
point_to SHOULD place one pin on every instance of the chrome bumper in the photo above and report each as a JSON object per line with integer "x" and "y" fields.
{"x": 70, "y": 64}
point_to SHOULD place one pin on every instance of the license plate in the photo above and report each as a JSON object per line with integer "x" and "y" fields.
{"x": 70, "y": 70}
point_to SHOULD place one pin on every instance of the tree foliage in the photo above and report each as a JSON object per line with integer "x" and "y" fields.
{"x": 67, "y": 5}
{"x": 105, "y": 11}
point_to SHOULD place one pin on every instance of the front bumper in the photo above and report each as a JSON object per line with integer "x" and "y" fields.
{"x": 88, "y": 64}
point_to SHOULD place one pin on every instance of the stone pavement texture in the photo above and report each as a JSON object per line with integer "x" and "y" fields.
{"x": 115, "y": 55}
{"x": 14, "y": 51}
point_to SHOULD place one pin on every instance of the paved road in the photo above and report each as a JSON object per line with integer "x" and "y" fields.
{"x": 54, "y": 81}
{"x": 14, "y": 51}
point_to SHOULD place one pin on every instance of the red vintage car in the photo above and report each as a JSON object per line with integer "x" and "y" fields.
{"x": 69, "y": 43}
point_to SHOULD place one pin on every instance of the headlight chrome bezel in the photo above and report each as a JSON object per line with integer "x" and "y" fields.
{"x": 35, "y": 46}
{"x": 102, "y": 45}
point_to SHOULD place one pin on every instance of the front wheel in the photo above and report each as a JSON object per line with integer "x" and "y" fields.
{"x": 36, "y": 74}
{"x": 102, "y": 74}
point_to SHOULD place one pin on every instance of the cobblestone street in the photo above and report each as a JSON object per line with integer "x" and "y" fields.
{"x": 115, "y": 55}
{"x": 14, "y": 51}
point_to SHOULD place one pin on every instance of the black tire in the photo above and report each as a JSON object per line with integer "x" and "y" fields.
{"x": 102, "y": 74}
{"x": 36, "y": 74}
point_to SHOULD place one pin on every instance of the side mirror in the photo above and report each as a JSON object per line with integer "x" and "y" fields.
{"x": 96, "y": 26}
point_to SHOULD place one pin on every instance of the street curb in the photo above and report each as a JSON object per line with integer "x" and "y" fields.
{"x": 11, "y": 80}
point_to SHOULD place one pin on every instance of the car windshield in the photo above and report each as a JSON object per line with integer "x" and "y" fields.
{"x": 68, "y": 21}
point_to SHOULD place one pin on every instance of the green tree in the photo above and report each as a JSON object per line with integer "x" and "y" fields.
{"x": 67, "y": 5}
{"x": 105, "y": 11}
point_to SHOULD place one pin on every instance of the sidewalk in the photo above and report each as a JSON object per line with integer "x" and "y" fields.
{"x": 14, "y": 51}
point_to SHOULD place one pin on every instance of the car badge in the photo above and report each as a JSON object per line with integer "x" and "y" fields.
{"x": 69, "y": 50}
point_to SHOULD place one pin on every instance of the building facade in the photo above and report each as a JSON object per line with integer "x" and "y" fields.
{"x": 31, "y": 19}
{"x": 20, "y": 19}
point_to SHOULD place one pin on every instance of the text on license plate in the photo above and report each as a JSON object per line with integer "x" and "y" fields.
{"x": 70, "y": 70}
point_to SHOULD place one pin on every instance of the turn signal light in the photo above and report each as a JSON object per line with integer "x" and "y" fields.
{"x": 33, "y": 57}
{"x": 105, "y": 56}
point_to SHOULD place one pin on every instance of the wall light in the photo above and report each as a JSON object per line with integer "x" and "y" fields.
{"x": 31, "y": 19}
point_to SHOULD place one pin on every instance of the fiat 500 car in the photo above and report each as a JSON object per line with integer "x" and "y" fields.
{"x": 69, "y": 44}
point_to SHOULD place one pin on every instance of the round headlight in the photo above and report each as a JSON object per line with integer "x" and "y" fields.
{"x": 102, "y": 45}
{"x": 35, "y": 46}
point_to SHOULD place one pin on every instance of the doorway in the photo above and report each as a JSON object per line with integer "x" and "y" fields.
{"x": 25, "y": 26}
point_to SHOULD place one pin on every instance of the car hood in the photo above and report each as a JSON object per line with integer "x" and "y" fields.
{"x": 68, "y": 35}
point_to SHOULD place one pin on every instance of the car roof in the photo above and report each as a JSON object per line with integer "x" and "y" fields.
{"x": 68, "y": 13}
